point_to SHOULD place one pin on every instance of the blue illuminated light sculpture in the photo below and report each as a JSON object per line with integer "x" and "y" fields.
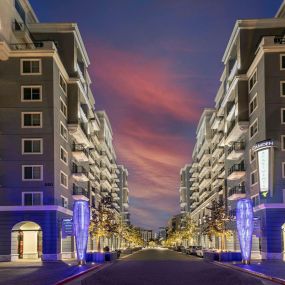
{"x": 245, "y": 227}
{"x": 81, "y": 221}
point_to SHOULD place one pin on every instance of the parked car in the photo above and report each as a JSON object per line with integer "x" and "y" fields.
{"x": 195, "y": 248}
{"x": 183, "y": 249}
{"x": 200, "y": 252}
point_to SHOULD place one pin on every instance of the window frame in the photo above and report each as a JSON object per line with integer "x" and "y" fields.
{"x": 281, "y": 88}
{"x": 256, "y": 182}
{"x": 66, "y": 200}
{"x": 283, "y": 169}
{"x": 64, "y": 104}
{"x": 63, "y": 79}
{"x": 282, "y": 144}
{"x": 62, "y": 124}
{"x": 255, "y": 121}
{"x": 250, "y": 77}
{"x": 64, "y": 150}
{"x": 31, "y": 139}
{"x": 31, "y": 86}
{"x": 62, "y": 172}
{"x": 280, "y": 59}
{"x": 281, "y": 116}
{"x": 31, "y": 127}
{"x": 253, "y": 98}
{"x": 31, "y": 59}
{"x": 31, "y": 192}
{"x": 32, "y": 165}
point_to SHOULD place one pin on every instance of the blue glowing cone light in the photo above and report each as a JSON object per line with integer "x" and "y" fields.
{"x": 244, "y": 217}
{"x": 81, "y": 221}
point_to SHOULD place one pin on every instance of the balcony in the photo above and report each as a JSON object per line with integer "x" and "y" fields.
{"x": 80, "y": 153}
{"x": 80, "y": 135}
{"x": 95, "y": 152}
{"x": 222, "y": 173}
{"x": 205, "y": 181}
{"x": 236, "y": 172}
{"x": 79, "y": 173}
{"x": 236, "y": 151}
{"x": 79, "y": 193}
{"x": 203, "y": 193}
{"x": 235, "y": 131}
{"x": 236, "y": 193}
{"x": 96, "y": 167}
{"x": 4, "y": 51}
{"x": 21, "y": 31}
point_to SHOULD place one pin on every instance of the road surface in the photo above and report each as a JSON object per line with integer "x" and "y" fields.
{"x": 166, "y": 267}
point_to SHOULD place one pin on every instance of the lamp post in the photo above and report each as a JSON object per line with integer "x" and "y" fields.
{"x": 81, "y": 221}
{"x": 244, "y": 218}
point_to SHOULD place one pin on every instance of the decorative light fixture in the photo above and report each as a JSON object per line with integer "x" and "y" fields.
{"x": 244, "y": 220}
{"x": 81, "y": 221}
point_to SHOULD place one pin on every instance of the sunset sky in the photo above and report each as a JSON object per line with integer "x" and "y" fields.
{"x": 155, "y": 64}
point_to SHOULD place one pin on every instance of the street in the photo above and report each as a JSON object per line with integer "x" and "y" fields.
{"x": 162, "y": 266}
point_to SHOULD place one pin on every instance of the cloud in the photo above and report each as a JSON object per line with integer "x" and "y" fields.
{"x": 150, "y": 113}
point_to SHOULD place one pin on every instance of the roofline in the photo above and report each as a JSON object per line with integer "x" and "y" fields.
{"x": 103, "y": 114}
{"x": 281, "y": 11}
{"x": 30, "y": 8}
{"x": 205, "y": 112}
{"x": 62, "y": 28}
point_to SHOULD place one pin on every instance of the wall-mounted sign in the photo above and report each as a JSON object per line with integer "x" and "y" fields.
{"x": 263, "y": 170}
{"x": 67, "y": 228}
{"x": 263, "y": 144}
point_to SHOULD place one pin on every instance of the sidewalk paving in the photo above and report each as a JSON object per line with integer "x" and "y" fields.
{"x": 273, "y": 269}
{"x": 39, "y": 273}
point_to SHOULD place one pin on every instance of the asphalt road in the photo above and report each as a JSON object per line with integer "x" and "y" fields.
{"x": 165, "y": 267}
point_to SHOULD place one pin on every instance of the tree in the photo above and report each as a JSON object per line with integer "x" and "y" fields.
{"x": 216, "y": 223}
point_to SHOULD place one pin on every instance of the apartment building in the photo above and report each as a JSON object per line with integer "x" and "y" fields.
{"x": 246, "y": 135}
{"x": 54, "y": 146}
{"x": 124, "y": 193}
{"x": 184, "y": 190}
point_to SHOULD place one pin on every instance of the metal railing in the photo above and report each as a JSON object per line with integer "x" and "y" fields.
{"x": 236, "y": 167}
{"x": 79, "y": 191}
{"x": 80, "y": 147}
{"x": 236, "y": 190}
{"x": 237, "y": 146}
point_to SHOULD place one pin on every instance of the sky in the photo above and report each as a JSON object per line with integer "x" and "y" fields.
{"x": 155, "y": 64}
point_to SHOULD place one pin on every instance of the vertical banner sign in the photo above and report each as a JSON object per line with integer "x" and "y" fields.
{"x": 244, "y": 220}
{"x": 66, "y": 228}
{"x": 263, "y": 171}
{"x": 81, "y": 221}
{"x": 264, "y": 151}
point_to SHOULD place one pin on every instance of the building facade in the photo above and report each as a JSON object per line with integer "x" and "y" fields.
{"x": 54, "y": 146}
{"x": 249, "y": 116}
{"x": 184, "y": 190}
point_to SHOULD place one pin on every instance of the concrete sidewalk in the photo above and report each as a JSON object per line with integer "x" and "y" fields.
{"x": 39, "y": 273}
{"x": 273, "y": 270}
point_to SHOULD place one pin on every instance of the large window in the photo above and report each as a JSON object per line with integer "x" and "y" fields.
{"x": 282, "y": 61}
{"x": 252, "y": 81}
{"x": 32, "y": 198}
{"x": 31, "y": 93}
{"x": 32, "y": 146}
{"x": 63, "y": 155}
{"x": 253, "y": 129}
{"x": 63, "y": 131}
{"x": 31, "y": 119}
{"x": 31, "y": 67}
{"x": 32, "y": 172}
{"x": 62, "y": 83}
{"x": 253, "y": 104}
{"x": 63, "y": 179}
{"x": 63, "y": 108}
{"x": 253, "y": 178}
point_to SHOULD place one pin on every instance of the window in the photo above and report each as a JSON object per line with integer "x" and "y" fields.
{"x": 64, "y": 202}
{"x": 62, "y": 84}
{"x": 253, "y": 129}
{"x": 32, "y": 146}
{"x": 31, "y": 120}
{"x": 283, "y": 143}
{"x": 255, "y": 200}
{"x": 32, "y": 172}
{"x": 283, "y": 116}
{"x": 282, "y": 61}
{"x": 283, "y": 169}
{"x": 63, "y": 108}
{"x": 31, "y": 67}
{"x": 251, "y": 155}
{"x": 253, "y": 178}
{"x": 63, "y": 155}
{"x": 253, "y": 104}
{"x": 63, "y": 131}
{"x": 63, "y": 179}
{"x": 31, "y": 93}
{"x": 282, "y": 88}
{"x": 252, "y": 81}
{"x": 32, "y": 198}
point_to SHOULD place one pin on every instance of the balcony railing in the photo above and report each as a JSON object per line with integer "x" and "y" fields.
{"x": 79, "y": 191}
{"x": 237, "y": 146}
{"x": 80, "y": 147}
{"x": 237, "y": 190}
{"x": 79, "y": 170}
{"x": 230, "y": 128}
{"x": 236, "y": 168}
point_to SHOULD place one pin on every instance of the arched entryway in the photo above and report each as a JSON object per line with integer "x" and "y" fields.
{"x": 26, "y": 241}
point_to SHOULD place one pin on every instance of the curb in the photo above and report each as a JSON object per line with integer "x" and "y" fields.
{"x": 251, "y": 272}
{"x": 75, "y": 276}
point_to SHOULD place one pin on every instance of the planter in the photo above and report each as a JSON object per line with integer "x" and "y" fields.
{"x": 230, "y": 256}
{"x": 110, "y": 256}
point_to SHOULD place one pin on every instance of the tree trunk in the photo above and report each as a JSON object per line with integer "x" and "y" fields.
{"x": 98, "y": 244}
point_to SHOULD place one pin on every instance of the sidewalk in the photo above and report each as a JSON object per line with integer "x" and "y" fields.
{"x": 39, "y": 273}
{"x": 273, "y": 270}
